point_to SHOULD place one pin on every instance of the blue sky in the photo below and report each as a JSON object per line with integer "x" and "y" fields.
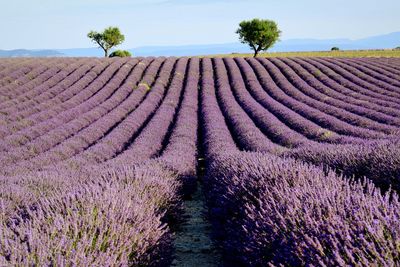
{"x": 38, "y": 24}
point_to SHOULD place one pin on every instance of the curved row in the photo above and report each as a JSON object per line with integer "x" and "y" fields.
{"x": 114, "y": 148}
{"x": 115, "y": 141}
{"x": 268, "y": 210}
{"x": 97, "y": 92}
{"x": 25, "y": 92}
{"x": 48, "y": 94}
{"x": 332, "y": 88}
{"x": 49, "y": 135}
{"x": 80, "y": 92}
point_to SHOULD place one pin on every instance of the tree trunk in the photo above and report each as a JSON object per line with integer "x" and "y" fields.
{"x": 105, "y": 53}
{"x": 255, "y": 53}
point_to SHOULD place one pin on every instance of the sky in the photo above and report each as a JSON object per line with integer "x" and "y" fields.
{"x": 57, "y": 24}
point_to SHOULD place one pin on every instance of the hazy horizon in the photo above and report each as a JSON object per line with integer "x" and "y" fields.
{"x": 46, "y": 24}
{"x": 91, "y": 45}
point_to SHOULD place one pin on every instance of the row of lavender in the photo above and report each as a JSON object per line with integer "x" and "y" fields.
{"x": 270, "y": 210}
{"x": 378, "y": 160}
{"x": 118, "y": 213}
{"x": 93, "y": 116}
{"x": 281, "y": 117}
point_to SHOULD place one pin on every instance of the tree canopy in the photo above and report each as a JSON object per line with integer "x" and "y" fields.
{"x": 107, "y": 39}
{"x": 259, "y": 34}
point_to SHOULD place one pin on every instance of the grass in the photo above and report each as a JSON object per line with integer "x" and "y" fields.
{"x": 344, "y": 53}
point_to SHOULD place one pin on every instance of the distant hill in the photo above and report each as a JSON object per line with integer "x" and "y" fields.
{"x": 386, "y": 41}
{"x": 30, "y": 53}
{"x": 82, "y": 52}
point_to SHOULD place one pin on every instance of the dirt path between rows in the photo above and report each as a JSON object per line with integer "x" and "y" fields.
{"x": 193, "y": 244}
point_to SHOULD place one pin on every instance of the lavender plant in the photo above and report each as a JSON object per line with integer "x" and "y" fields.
{"x": 301, "y": 159}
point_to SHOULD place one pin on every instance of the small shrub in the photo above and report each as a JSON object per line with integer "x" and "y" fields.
{"x": 121, "y": 53}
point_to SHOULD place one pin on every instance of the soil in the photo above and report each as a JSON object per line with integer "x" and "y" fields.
{"x": 193, "y": 244}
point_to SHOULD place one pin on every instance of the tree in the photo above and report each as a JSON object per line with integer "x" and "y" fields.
{"x": 335, "y": 48}
{"x": 259, "y": 34}
{"x": 107, "y": 39}
{"x": 121, "y": 53}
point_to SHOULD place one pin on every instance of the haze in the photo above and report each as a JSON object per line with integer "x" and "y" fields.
{"x": 51, "y": 24}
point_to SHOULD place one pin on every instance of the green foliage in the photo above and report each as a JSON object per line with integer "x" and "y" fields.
{"x": 397, "y": 48}
{"x": 335, "y": 48}
{"x": 121, "y": 53}
{"x": 259, "y": 34}
{"x": 107, "y": 39}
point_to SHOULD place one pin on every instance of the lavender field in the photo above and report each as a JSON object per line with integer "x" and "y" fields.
{"x": 298, "y": 158}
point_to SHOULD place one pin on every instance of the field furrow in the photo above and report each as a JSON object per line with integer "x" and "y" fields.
{"x": 177, "y": 161}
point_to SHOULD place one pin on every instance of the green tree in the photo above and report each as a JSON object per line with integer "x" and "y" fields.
{"x": 121, "y": 53}
{"x": 107, "y": 39}
{"x": 259, "y": 34}
{"x": 335, "y": 48}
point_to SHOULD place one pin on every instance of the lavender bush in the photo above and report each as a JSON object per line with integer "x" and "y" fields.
{"x": 105, "y": 217}
{"x": 282, "y": 212}
{"x": 379, "y": 161}
{"x": 301, "y": 159}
